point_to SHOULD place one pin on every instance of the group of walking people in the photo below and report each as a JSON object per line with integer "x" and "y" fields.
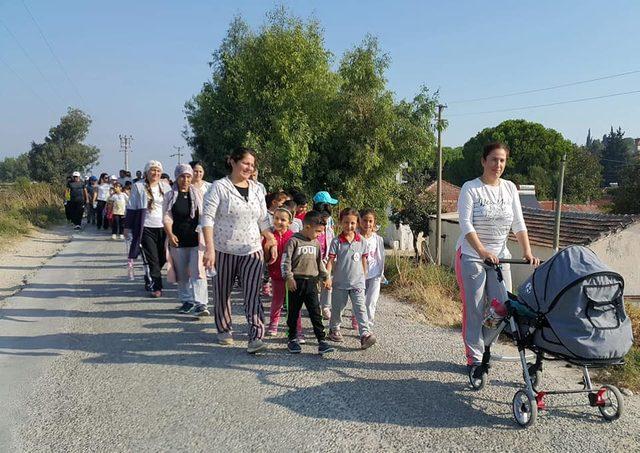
{"x": 233, "y": 234}
{"x": 224, "y": 234}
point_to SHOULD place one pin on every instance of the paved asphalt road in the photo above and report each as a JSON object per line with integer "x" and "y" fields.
{"x": 88, "y": 363}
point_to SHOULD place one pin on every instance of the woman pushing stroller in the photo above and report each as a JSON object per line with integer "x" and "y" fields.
{"x": 489, "y": 208}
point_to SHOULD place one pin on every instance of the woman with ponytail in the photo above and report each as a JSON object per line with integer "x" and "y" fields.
{"x": 144, "y": 220}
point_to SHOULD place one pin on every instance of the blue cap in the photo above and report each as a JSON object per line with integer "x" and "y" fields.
{"x": 93, "y": 178}
{"x": 324, "y": 197}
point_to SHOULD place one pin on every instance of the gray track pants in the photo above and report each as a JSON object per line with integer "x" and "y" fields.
{"x": 339, "y": 299}
{"x": 478, "y": 287}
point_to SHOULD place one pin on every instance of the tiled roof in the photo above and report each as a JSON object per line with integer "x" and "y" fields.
{"x": 450, "y": 194}
{"x": 550, "y": 205}
{"x": 576, "y": 228}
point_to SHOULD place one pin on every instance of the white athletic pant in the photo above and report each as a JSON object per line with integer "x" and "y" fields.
{"x": 371, "y": 296}
{"x": 478, "y": 287}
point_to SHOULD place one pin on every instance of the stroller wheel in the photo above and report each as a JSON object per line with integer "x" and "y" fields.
{"x": 613, "y": 403}
{"x": 478, "y": 376}
{"x": 525, "y": 409}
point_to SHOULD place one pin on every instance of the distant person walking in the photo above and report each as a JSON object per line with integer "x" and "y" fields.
{"x": 77, "y": 199}
{"x": 144, "y": 219}
{"x": 234, "y": 218}
{"x": 91, "y": 186}
{"x": 489, "y": 209}
{"x": 100, "y": 197}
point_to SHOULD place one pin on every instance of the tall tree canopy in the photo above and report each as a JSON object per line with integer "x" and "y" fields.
{"x": 626, "y": 198}
{"x": 313, "y": 127}
{"x": 535, "y": 158}
{"x": 12, "y": 168}
{"x": 615, "y": 156}
{"x": 63, "y": 151}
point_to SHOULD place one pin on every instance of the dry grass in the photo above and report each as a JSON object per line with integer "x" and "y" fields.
{"x": 628, "y": 375}
{"x": 432, "y": 288}
{"x": 24, "y": 205}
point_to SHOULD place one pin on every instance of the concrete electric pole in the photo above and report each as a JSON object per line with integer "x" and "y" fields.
{"x": 439, "y": 189}
{"x": 125, "y": 147}
{"x": 179, "y": 154}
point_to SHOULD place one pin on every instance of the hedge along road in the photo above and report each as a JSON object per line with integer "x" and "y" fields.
{"x": 88, "y": 363}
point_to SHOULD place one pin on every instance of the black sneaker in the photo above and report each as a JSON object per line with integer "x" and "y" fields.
{"x": 324, "y": 347}
{"x": 201, "y": 310}
{"x": 186, "y": 308}
{"x": 294, "y": 347}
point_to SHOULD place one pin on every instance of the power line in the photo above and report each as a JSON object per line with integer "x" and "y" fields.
{"x": 555, "y": 87}
{"x": 26, "y": 54}
{"x": 27, "y": 85}
{"x": 527, "y": 107}
{"x": 66, "y": 74}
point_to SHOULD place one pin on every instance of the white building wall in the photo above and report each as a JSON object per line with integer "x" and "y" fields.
{"x": 620, "y": 251}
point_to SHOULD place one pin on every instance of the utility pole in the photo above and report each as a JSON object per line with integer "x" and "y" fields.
{"x": 556, "y": 235}
{"x": 439, "y": 189}
{"x": 178, "y": 153}
{"x": 125, "y": 147}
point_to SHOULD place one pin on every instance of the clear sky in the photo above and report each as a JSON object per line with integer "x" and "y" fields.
{"x": 133, "y": 64}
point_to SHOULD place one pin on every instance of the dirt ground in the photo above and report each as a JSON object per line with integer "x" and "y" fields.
{"x": 20, "y": 258}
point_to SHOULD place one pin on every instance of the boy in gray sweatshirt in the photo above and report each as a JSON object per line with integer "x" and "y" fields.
{"x": 301, "y": 267}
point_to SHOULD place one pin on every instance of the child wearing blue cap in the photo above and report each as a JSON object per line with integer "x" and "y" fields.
{"x": 322, "y": 202}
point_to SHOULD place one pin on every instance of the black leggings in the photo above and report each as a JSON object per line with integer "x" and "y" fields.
{"x": 117, "y": 224}
{"x": 76, "y": 209}
{"x": 153, "y": 257}
{"x": 306, "y": 294}
{"x": 101, "y": 216}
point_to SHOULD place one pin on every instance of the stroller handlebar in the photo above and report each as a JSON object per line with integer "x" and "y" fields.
{"x": 509, "y": 261}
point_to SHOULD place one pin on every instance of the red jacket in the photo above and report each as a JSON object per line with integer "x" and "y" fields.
{"x": 274, "y": 269}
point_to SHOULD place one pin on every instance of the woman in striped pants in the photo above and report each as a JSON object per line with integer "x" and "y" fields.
{"x": 233, "y": 222}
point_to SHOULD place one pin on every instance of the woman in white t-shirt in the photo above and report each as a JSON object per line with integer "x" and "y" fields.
{"x": 101, "y": 195}
{"x": 144, "y": 220}
{"x": 489, "y": 208}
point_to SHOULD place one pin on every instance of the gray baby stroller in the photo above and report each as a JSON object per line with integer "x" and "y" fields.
{"x": 571, "y": 308}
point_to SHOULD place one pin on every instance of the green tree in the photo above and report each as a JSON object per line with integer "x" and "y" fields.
{"x": 535, "y": 155}
{"x": 583, "y": 176}
{"x": 63, "y": 151}
{"x": 371, "y": 136}
{"x": 313, "y": 127}
{"x": 269, "y": 90}
{"x": 626, "y": 198}
{"x": 614, "y": 157}
{"x": 12, "y": 168}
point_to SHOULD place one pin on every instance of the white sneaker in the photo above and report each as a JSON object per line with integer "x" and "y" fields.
{"x": 113, "y": 236}
{"x": 121, "y": 236}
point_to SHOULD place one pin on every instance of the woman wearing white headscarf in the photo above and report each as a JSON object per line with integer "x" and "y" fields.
{"x": 144, "y": 219}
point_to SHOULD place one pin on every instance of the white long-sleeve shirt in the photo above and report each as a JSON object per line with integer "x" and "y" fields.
{"x": 237, "y": 223}
{"x": 491, "y": 212}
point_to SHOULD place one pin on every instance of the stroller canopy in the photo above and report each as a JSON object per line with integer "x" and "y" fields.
{"x": 566, "y": 267}
{"x": 580, "y": 303}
